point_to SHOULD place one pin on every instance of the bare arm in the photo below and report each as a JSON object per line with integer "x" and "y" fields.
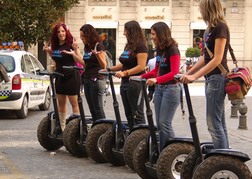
{"x": 197, "y": 66}
{"x": 141, "y": 63}
{"x": 218, "y": 55}
{"x": 75, "y": 53}
{"x": 116, "y": 67}
{"x": 47, "y": 49}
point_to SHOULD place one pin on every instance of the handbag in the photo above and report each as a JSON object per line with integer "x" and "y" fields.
{"x": 238, "y": 80}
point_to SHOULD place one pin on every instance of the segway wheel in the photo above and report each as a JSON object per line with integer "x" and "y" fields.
{"x": 222, "y": 166}
{"x": 170, "y": 160}
{"x": 188, "y": 166}
{"x": 131, "y": 144}
{"x": 43, "y": 133}
{"x": 107, "y": 148}
{"x": 94, "y": 141}
{"x": 71, "y": 136}
{"x": 140, "y": 158}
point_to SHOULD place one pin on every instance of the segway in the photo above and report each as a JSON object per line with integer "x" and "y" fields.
{"x": 49, "y": 132}
{"x": 114, "y": 140}
{"x": 208, "y": 163}
{"x": 75, "y": 133}
{"x": 148, "y": 161}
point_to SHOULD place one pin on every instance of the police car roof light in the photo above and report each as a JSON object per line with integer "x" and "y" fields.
{"x": 11, "y": 45}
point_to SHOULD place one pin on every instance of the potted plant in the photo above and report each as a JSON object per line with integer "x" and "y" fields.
{"x": 192, "y": 56}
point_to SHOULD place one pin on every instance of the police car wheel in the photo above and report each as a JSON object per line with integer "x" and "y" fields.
{"x": 23, "y": 112}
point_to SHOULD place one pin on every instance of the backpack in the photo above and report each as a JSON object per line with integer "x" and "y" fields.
{"x": 108, "y": 59}
{"x": 107, "y": 55}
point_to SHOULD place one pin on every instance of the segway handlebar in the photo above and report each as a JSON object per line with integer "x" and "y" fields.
{"x": 137, "y": 79}
{"x": 105, "y": 72}
{"x": 177, "y": 77}
{"x": 72, "y": 67}
{"x": 51, "y": 73}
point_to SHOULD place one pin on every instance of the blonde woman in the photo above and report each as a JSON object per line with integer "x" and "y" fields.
{"x": 216, "y": 39}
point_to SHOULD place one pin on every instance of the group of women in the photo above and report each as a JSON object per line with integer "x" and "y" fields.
{"x": 65, "y": 51}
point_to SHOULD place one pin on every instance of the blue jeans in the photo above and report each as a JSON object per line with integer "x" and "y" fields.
{"x": 94, "y": 91}
{"x": 215, "y": 110}
{"x": 130, "y": 92}
{"x": 166, "y": 101}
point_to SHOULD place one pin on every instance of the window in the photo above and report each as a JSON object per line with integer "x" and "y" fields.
{"x": 36, "y": 64}
{"x": 8, "y": 62}
{"x": 150, "y": 44}
{"x": 109, "y": 41}
{"x": 28, "y": 68}
{"x": 198, "y": 38}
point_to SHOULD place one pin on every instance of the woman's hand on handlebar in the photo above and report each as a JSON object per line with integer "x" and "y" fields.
{"x": 187, "y": 79}
{"x": 151, "y": 81}
{"x": 135, "y": 77}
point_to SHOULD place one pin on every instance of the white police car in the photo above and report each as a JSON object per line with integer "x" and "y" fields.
{"x": 26, "y": 88}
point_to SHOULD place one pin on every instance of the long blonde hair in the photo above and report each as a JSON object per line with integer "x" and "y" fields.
{"x": 212, "y": 12}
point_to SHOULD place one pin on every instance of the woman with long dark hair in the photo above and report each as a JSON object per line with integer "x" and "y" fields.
{"x": 167, "y": 90}
{"x": 93, "y": 61}
{"x": 132, "y": 62}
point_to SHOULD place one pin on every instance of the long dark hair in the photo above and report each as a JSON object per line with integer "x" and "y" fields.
{"x": 54, "y": 37}
{"x": 92, "y": 36}
{"x": 163, "y": 34}
{"x": 134, "y": 35}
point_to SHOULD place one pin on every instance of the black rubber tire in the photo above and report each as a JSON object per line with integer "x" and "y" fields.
{"x": 94, "y": 141}
{"x": 65, "y": 138}
{"x": 47, "y": 102}
{"x": 170, "y": 160}
{"x": 107, "y": 146}
{"x": 224, "y": 166}
{"x": 43, "y": 138}
{"x": 140, "y": 158}
{"x": 71, "y": 136}
{"x": 23, "y": 112}
{"x": 131, "y": 144}
{"x": 188, "y": 166}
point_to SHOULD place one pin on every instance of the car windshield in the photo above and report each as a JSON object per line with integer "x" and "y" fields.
{"x": 8, "y": 62}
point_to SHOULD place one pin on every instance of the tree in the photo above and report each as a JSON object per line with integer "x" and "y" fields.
{"x": 30, "y": 21}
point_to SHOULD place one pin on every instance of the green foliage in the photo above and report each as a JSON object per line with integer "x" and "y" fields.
{"x": 30, "y": 20}
{"x": 192, "y": 52}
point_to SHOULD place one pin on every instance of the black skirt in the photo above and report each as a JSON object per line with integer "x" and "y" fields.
{"x": 68, "y": 84}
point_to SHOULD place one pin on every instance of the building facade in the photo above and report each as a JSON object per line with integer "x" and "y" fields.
{"x": 182, "y": 16}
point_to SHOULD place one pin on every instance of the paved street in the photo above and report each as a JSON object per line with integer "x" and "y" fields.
{"x": 22, "y": 157}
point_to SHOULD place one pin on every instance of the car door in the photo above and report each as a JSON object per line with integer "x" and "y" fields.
{"x": 42, "y": 80}
{"x": 31, "y": 80}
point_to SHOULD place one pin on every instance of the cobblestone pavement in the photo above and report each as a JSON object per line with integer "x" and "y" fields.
{"x": 22, "y": 157}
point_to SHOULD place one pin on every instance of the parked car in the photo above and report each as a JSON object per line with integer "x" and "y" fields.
{"x": 26, "y": 88}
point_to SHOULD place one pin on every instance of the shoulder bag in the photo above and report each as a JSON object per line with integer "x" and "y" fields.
{"x": 238, "y": 80}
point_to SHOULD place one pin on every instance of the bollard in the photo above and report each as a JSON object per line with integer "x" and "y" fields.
{"x": 243, "y": 109}
{"x": 234, "y": 108}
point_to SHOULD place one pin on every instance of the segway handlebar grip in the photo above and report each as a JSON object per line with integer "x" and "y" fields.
{"x": 105, "y": 72}
{"x": 177, "y": 77}
{"x": 137, "y": 79}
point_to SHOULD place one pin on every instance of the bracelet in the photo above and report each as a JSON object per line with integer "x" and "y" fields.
{"x": 126, "y": 73}
{"x": 108, "y": 69}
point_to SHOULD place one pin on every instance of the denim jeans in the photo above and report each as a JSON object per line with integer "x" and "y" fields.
{"x": 166, "y": 101}
{"x": 215, "y": 110}
{"x": 94, "y": 91}
{"x": 130, "y": 92}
